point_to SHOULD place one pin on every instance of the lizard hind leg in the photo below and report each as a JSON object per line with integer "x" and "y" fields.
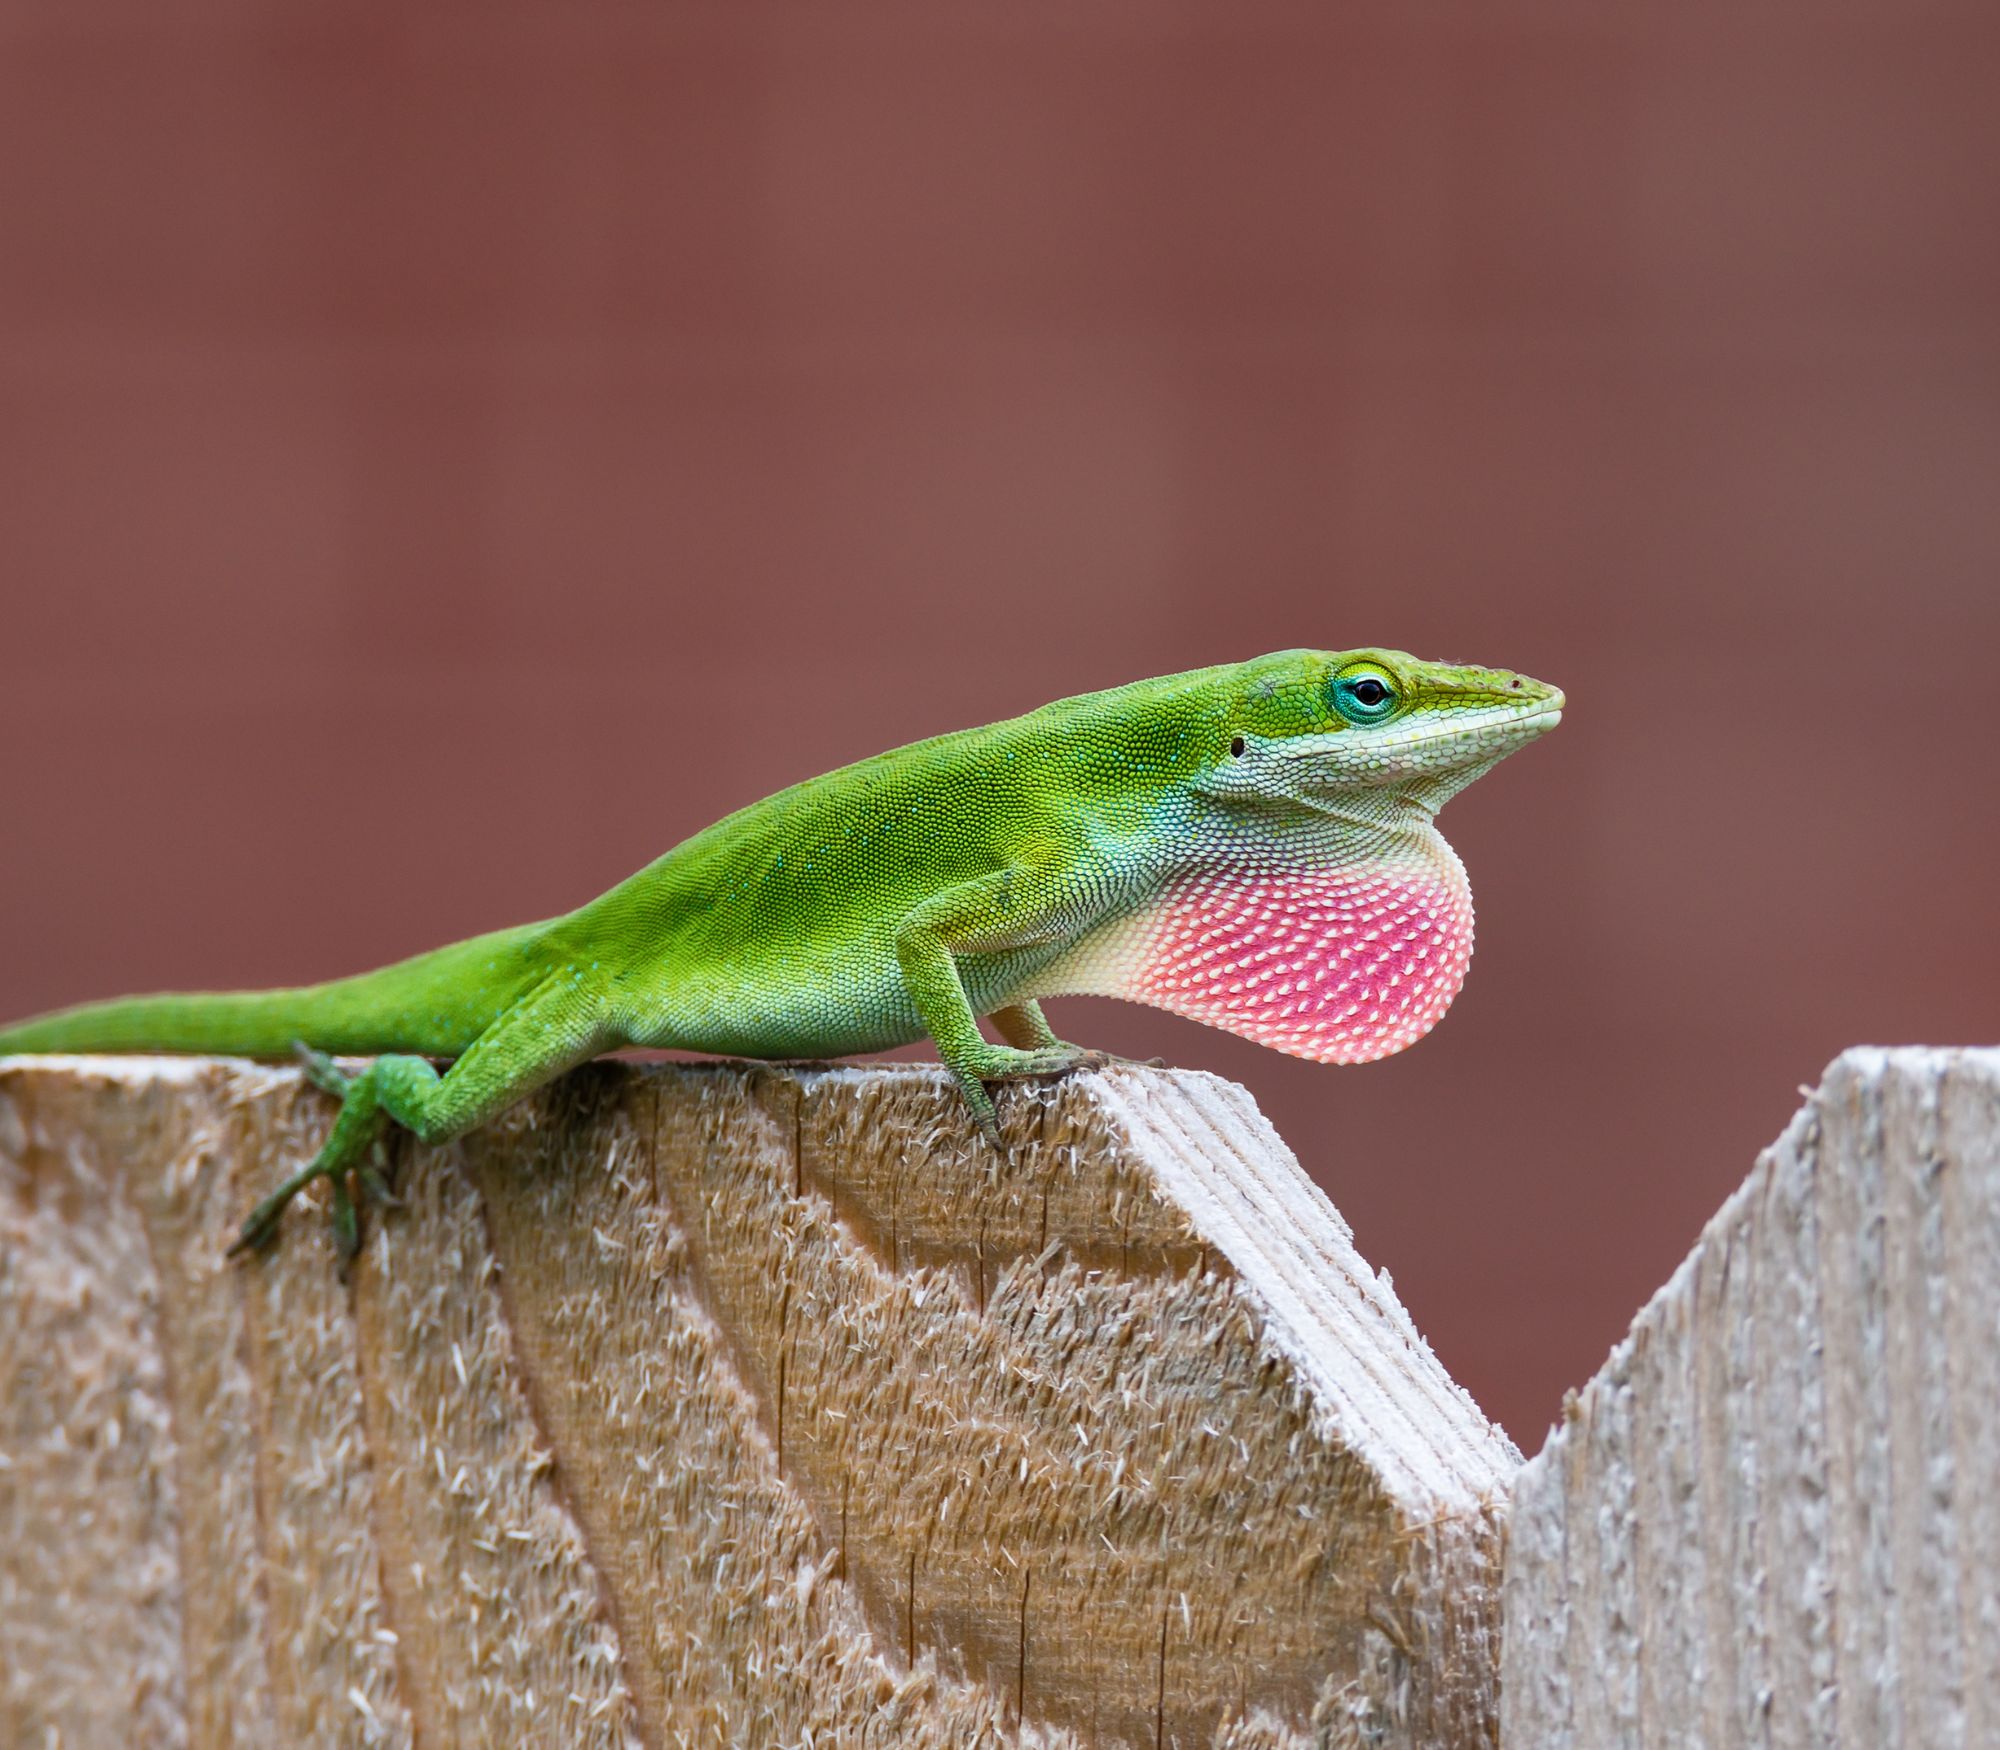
{"x": 557, "y": 1025}
{"x": 348, "y": 1149}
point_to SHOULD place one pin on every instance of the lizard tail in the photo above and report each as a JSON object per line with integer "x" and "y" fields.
{"x": 434, "y": 1005}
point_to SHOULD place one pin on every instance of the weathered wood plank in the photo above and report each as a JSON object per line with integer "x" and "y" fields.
{"x": 1769, "y": 1519}
{"x": 719, "y": 1404}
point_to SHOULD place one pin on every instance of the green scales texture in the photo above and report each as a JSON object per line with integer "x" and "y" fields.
{"x": 1251, "y": 845}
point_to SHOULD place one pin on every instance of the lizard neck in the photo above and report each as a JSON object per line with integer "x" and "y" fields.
{"x": 1327, "y": 944}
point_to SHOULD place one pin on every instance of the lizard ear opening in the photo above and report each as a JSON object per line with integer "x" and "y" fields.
{"x": 1236, "y": 747}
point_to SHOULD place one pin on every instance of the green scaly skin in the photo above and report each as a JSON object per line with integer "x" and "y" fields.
{"x": 1251, "y": 845}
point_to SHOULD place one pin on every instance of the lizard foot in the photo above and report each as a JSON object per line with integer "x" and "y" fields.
{"x": 1059, "y": 1060}
{"x": 1000, "y": 1063}
{"x": 353, "y": 1150}
{"x": 260, "y": 1226}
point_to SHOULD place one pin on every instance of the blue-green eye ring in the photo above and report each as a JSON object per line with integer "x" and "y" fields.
{"x": 1365, "y": 695}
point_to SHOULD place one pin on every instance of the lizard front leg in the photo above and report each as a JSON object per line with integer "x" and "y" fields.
{"x": 1025, "y": 1025}
{"x": 1015, "y": 907}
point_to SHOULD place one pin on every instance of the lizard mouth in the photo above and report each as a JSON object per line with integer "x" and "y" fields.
{"x": 1538, "y": 721}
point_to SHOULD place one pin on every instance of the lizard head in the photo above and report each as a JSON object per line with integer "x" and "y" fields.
{"x": 1311, "y": 903}
{"x": 1333, "y": 921}
{"x": 1371, "y": 736}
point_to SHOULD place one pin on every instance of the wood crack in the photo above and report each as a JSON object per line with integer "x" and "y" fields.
{"x": 641, "y": 1682}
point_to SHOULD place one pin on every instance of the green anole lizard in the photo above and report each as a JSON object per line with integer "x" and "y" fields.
{"x": 1251, "y": 845}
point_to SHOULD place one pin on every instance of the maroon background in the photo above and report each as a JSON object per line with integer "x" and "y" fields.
{"x": 449, "y": 452}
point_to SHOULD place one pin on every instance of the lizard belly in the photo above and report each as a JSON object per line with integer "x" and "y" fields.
{"x": 1341, "y": 964}
{"x": 805, "y": 1004}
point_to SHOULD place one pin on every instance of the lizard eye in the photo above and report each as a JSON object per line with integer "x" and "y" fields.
{"x": 1364, "y": 697}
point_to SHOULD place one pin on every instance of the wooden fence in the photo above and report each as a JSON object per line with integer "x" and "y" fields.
{"x": 738, "y": 1406}
{"x": 1773, "y": 1518}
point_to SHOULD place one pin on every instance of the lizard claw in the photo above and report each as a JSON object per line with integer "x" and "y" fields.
{"x": 346, "y": 1224}
{"x": 260, "y": 1226}
{"x": 984, "y": 1118}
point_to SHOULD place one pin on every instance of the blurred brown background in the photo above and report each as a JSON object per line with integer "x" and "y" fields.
{"x": 449, "y": 452}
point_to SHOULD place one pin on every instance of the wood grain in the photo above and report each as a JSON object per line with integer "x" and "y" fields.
{"x": 723, "y": 1405}
{"x": 1771, "y": 1518}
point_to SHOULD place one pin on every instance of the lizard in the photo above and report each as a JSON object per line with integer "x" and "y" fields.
{"x": 1251, "y": 845}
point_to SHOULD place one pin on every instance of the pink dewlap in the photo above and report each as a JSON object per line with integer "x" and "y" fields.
{"x": 1342, "y": 967}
